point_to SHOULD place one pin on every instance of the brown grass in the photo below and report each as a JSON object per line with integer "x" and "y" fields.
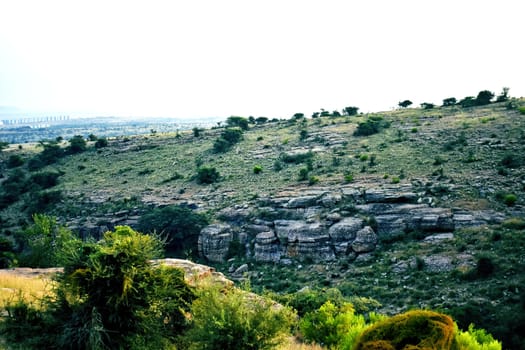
{"x": 294, "y": 344}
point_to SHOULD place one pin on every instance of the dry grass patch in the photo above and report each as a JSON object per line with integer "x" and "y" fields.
{"x": 30, "y": 288}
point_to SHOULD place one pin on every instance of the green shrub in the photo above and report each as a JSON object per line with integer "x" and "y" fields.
{"x": 77, "y": 144}
{"x": 46, "y": 244}
{"x": 108, "y": 297}
{"x": 15, "y": 160}
{"x": 257, "y": 169}
{"x": 485, "y": 266}
{"x": 207, "y": 175}
{"x": 312, "y": 180}
{"x": 239, "y": 122}
{"x": 511, "y": 160}
{"x": 348, "y": 177}
{"x": 415, "y": 329}
{"x": 514, "y": 223}
{"x": 46, "y": 179}
{"x": 521, "y": 110}
{"x": 180, "y": 225}
{"x": 235, "y": 319}
{"x": 296, "y": 158}
{"x": 101, "y": 142}
{"x": 395, "y": 180}
{"x": 227, "y": 139}
{"x": 303, "y": 174}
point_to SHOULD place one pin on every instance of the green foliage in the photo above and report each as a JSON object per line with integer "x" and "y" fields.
{"x": 3, "y": 145}
{"x": 46, "y": 244}
{"x": 207, "y": 175}
{"x": 109, "y": 297}
{"x": 514, "y": 223}
{"x": 351, "y": 111}
{"x": 521, "y": 110}
{"x": 475, "y": 339}
{"x": 227, "y": 139}
{"x": 101, "y": 142}
{"x": 427, "y": 105}
{"x": 197, "y": 131}
{"x": 484, "y": 97}
{"x": 257, "y": 169}
{"x": 468, "y": 101}
{"x": 511, "y": 160}
{"x": 296, "y": 158}
{"x": 46, "y": 179}
{"x": 450, "y": 101}
{"x": 235, "y": 319}
{"x": 13, "y": 187}
{"x": 303, "y": 174}
{"x": 312, "y": 180}
{"x": 417, "y": 329}
{"x": 180, "y": 225}
{"x": 15, "y": 160}
{"x": 404, "y": 104}
{"x": 239, "y": 122}
{"x": 371, "y": 126}
{"x": 77, "y": 144}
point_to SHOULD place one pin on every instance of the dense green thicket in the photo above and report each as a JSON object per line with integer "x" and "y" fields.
{"x": 108, "y": 297}
{"x": 179, "y": 225}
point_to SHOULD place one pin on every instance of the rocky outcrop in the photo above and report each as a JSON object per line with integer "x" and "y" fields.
{"x": 214, "y": 242}
{"x": 323, "y": 224}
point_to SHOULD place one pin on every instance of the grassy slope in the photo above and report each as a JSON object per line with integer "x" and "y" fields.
{"x": 141, "y": 167}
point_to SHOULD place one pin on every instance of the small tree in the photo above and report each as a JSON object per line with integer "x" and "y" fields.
{"x": 180, "y": 225}
{"x": 404, "y": 104}
{"x": 450, "y": 101}
{"x": 240, "y": 122}
{"x": 504, "y": 96}
{"x": 350, "y": 111}
{"x": 484, "y": 97}
{"x": 427, "y": 105}
{"x": 197, "y": 131}
{"x": 261, "y": 120}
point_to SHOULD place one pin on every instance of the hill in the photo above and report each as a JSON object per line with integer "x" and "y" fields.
{"x": 439, "y": 192}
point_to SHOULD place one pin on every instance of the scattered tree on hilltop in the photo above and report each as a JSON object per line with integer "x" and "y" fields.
{"x": 484, "y": 97}
{"x": 350, "y": 111}
{"x": 404, "y": 104}
{"x": 235, "y": 121}
{"x": 450, "y": 101}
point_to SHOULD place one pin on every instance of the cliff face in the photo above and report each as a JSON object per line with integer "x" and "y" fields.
{"x": 324, "y": 224}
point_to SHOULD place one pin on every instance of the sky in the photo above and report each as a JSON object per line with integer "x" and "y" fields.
{"x": 273, "y": 58}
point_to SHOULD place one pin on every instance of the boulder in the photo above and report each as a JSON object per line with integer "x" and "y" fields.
{"x": 345, "y": 230}
{"x": 214, "y": 242}
{"x": 301, "y": 202}
{"x": 267, "y": 247}
{"x": 365, "y": 240}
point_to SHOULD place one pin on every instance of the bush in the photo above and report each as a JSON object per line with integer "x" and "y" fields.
{"x": 101, "y": 143}
{"x": 46, "y": 244}
{"x": 511, "y": 160}
{"x": 521, "y": 110}
{"x": 227, "y": 139}
{"x": 296, "y": 158}
{"x": 514, "y": 223}
{"x": 207, "y": 175}
{"x": 234, "y": 319}
{"x": 77, "y": 144}
{"x": 415, "y": 329}
{"x": 14, "y": 161}
{"x": 108, "y": 297}
{"x": 239, "y": 122}
{"x": 46, "y": 179}
{"x": 180, "y": 225}
{"x": 371, "y": 126}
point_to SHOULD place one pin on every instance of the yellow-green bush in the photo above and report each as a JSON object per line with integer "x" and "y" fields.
{"x": 418, "y": 329}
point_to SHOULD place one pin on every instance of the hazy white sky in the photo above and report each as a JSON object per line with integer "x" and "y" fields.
{"x": 199, "y": 58}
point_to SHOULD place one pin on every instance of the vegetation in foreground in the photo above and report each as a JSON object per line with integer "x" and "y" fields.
{"x": 110, "y": 296}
